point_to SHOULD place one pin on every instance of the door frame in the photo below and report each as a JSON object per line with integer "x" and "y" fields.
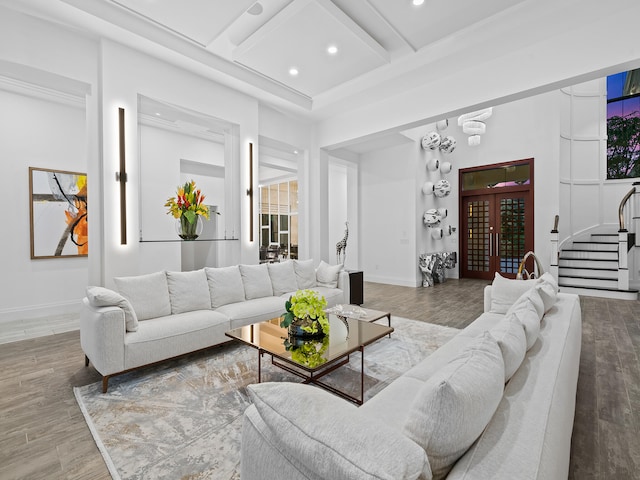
{"x": 529, "y": 219}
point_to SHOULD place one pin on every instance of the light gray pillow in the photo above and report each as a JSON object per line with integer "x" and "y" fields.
{"x": 548, "y": 294}
{"x": 526, "y": 313}
{"x": 512, "y": 341}
{"x": 327, "y": 275}
{"x": 188, "y": 291}
{"x": 333, "y": 438}
{"x": 148, "y": 294}
{"x": 505, "y": 291}
{"x": 532, "y": 296}
{"x": 455, "y": 405}
{"x": 105, "y": 297}
{"x": 283, "y": 277}
{"x": 550, "y": 279}
{"x": 305, "y": 273}
{"x": 256, "y": 281}
{"x": 225, "y": 285}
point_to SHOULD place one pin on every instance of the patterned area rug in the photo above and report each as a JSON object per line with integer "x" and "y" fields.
{"x": 182, "y": 419}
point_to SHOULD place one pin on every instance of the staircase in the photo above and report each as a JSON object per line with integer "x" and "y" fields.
{"x": 591, "y": 268}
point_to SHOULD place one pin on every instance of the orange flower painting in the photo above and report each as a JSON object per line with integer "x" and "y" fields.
{"x": 59, "y": 220}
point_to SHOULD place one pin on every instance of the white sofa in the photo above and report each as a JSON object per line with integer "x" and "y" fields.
{"x": 162, "y": 315}
{"x": 451, "y": 416}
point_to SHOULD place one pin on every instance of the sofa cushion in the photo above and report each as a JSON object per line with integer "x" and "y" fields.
{"x": 327, "y": 275}
{"x": 148, "y": 294}
{"x": 256, "y": 281}
{"x": 283, "y": 277}
{"x": 512, "y": 341}
{"x": 525, "y": 312}
{"x": 506, "y": 291}
{"x": 305, "y": 274}
{"x": 334, "y": 437}
{"x": 455, "y": 404}
{"x": 253, "y": 311}
{"x": 188, "y": 291}
{"x": 105, "y": 297}
{"x": 225, "y": 285}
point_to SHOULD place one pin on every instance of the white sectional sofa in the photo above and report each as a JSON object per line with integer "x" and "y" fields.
{"x": 162, "y": 315}
{"x": 495, "y": 402}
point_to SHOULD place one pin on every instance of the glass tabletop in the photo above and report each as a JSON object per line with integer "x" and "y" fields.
{"x": 345, "y": 336}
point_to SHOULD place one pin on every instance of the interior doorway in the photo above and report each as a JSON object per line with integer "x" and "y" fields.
{"x": 496, "y": 214}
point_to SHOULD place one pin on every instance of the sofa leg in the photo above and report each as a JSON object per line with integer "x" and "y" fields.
{"x": 105, "y": 383}
{"x": 86, "y": 361}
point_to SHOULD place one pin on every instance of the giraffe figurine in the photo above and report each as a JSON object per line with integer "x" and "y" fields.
{"x": 341, "y": 246}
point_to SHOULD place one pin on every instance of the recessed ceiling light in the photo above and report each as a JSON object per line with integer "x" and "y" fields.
{"x": 256, "y": 9}
{"x": 417, "y": 3}
{"x": 293, "y": 71}
{"x": 295, "y": 152}
{"x": 332, "y": 49}
{"x": 158, "y": 114}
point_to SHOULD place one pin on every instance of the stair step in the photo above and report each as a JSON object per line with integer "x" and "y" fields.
{"x": 605, "y": 237}
{"x": 587, "y": 263}
{"x": 575, "y": 281}
{"x": 590, "y": 272}
{"x": 596, "y": 246}
{"x": 601, "y": 292}
{"x": 573, "y": 253}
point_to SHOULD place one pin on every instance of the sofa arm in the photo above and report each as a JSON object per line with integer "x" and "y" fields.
{"x": 102, "y": 331}
{"x": 322, "y": 436}
{"x": 344, "y": 285}
{"x": 487, "y": 298}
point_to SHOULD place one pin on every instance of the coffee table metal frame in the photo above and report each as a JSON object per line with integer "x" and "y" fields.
{"x": 312, "y": 375}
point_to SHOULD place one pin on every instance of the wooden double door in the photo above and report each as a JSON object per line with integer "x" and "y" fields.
{"x": 497, "y": 231}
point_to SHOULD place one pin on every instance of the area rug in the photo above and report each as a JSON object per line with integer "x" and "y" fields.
{"x": 182, "y": 419}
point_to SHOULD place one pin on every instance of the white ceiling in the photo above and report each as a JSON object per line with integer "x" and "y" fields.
{"x": 254, "y": 44}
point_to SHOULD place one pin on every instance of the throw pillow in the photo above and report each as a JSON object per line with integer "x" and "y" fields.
{"x": 548, "y": 295}
{"x": 188, "y": 291}
{"x": 256, "y": 281}
{"x": 104, "y": 297}
{"x": 327, "y": 275}
{"x": 526, "y": 313}
{"x": 532, "y": 296}
{"x": 550, "y": 279}
{"x": 283, "y": 277}
{"x": 225, "y": 285}
{"x": 505, "y": 291}
{"x": 148, "y": 294}
{"x": 455, "y": 405}
{"x": 305, "y": 274}
{"x": 511, "y": 338}
{"x": 331, "y": 437}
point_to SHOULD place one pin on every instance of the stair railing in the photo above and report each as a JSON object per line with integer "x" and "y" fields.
{"x": 623, "y": 243}
{"x": 623, "y": 202}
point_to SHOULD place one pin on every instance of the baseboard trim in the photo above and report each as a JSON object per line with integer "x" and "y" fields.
{"x": 39, "y": 311}
{"x": 402, "y": 282}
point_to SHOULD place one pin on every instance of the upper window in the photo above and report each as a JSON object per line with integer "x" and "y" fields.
{"x": 623, "y": 125}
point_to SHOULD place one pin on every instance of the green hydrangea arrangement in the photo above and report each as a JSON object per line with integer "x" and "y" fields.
{"x": 306, "y": 304}
{"x": 309, "y": 353}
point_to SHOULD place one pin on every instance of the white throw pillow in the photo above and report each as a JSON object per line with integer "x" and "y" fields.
{"x": 512, "y": 341}
{"x": 505, "y": 291}
{"x": 104, "y": 297}
{"x": 283, "y": 277}
{"x": 256, "y": 281}
{"x": 327, "y": 275}
{"x": 225, "y": 285}
{"x": 526, "y": 313}
{"x": 455, "y": 405}
{"x": 550, "y": 279}
{"x": 305, "y": 274}
{"x": 148, "y": 294}
{"x": 188, "y": 291}
{"x": 327, "y": 434}
{"x": 548, "y": 294}
{"x": 532, "y": 296}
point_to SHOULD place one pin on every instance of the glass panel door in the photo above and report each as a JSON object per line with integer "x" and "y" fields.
{"x": 476, "y": 236}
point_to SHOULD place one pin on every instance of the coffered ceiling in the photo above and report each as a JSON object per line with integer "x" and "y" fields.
{"x": 295, "y": 50}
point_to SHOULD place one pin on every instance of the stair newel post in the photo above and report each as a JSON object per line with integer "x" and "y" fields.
{"x": 553, "y": 263}
{"x": 623, "y": 263}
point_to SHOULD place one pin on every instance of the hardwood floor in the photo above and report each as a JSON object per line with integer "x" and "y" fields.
{"x": 45, "y": 435}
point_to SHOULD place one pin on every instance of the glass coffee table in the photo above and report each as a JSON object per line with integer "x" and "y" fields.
{"x": 359, "y": 313}
{"x": 312, "y": 359}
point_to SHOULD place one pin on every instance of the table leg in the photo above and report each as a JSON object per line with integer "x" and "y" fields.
{"x": 361, "y": 375}
{"x": 389, "y": 320}
{"x": 259, "y": 365}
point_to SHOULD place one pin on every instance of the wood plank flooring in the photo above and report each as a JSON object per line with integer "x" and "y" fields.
{"x": 44, "y": 435}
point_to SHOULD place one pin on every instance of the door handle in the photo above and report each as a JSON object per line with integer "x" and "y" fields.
{"x": 491, "y": 244}
{"x": 497, "y": 244}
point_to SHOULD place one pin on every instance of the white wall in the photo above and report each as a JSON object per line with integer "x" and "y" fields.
{"x": 44, "y": 134}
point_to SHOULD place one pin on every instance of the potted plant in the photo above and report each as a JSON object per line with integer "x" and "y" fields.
{"x": 186, "y": 207}
{"x": 305, "y": 315}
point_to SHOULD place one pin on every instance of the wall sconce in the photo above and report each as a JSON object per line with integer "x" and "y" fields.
{"x": 121, "y": 177}
{"x": 250, "y": 192}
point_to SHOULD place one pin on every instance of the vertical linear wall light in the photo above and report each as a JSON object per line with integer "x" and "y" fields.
{"x": 250, "y": 192}
{"x": 121, "y": 177}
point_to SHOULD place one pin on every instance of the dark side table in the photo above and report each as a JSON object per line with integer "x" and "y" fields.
{"x": 356, "y": 287}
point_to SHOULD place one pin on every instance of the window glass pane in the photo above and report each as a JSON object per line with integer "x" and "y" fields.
{"x": 265, "y": 238}
{"x": 284, "y": 223}
{"x": 284, "y": 241}
{"x": 507, "y": 176}
{"x": 293, "y": 196}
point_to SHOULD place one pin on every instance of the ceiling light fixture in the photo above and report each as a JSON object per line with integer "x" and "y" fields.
{"x": 332, "y": 50}
{"x": 417, "y": 3}
{"x": 293, "y": 71}
{"x": 256, "y": 9}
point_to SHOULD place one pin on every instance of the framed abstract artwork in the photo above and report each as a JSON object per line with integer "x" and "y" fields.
{"x": 58, "y": 212}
